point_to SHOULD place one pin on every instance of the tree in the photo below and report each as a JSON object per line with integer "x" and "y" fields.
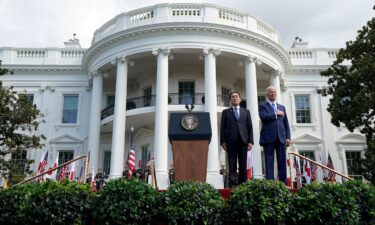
{"x": 352, "y": 91}
{"x": 19, "y": 121}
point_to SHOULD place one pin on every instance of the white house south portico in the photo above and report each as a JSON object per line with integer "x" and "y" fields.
{"x": 147, "y": 63}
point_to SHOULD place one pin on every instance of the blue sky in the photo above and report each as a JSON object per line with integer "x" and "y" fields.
{"x": 48, "y": 23}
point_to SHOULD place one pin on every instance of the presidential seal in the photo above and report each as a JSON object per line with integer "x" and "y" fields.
{"x": 189, "y": 122}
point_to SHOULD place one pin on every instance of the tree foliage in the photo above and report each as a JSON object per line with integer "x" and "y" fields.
{"x": 352, "y": 90}
{"x": 19, "y": 122}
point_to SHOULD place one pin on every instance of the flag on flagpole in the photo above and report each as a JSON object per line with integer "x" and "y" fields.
{"x": 52, "y": 175}
{"x": 298, "y": 173}
{"x": 314, "y": 169}
{"x": 43, "y": 162}
{"x": 131, "y": 161}
{"x": 289, "y": 174}
{"x": 93, "y": 179}
{"x": 63, "y": 172}
{"x": 331, "y": 175}
{"x": 249, "y": 164}
{"x": 72, "y": 169}
{"x": 79, "y": 180}
{"x": 306, "y": 172}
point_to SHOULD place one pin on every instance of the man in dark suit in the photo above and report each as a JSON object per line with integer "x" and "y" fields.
{"x": 236, "y": 137}
{"x": 275, "y": 134}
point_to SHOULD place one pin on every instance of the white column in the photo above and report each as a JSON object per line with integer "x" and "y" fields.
{"x": 252, "y": 106}
{"x": 95, "y": 119}
{"x": 210, "y": 106}
{"x": 119, "y": 119}
{"x": 161, "y": 118}
{"x": 275, "y": 81}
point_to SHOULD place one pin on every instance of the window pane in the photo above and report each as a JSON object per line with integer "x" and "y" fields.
{"x": 19, "y": 161}
{"x": 70, "y": 109}
{"x": 225, "y": 96}
{"x": 186, "y": 91}
{"x": 302, "y": 103}
{"x": 352, "y": 162}
{"x": 147, "y": 92}
{"x": 110, "y": 100}
{"x": 145, "y": 153}
{"x": 107, "y": 162}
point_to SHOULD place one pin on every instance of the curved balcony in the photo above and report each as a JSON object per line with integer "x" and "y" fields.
{"x": 186, "y": 13}
{"x": 173, "y": 99}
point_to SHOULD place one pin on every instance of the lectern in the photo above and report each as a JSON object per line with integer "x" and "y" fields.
{"x": 190, "y": 135}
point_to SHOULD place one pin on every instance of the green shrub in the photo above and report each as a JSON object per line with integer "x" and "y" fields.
{"x": 326, "y": 204}
{"x": 125, "y": 202}
{"x": 59, "y": 203}
{"x": 191, "y": 203}
{"x": 13, "y": 202}
{"x": 259, "y": 202}
{"x": 365, "y": 197}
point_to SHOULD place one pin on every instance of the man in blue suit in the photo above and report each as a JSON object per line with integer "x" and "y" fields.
{"x": 236, "y": 137}
{"x": 275, "y": 134}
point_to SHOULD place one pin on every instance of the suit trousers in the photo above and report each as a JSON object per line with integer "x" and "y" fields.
{"x": 237, "y": 151}
{"x": 269, "y": 154}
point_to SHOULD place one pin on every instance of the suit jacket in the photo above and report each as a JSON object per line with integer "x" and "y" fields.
{"x": 231, "y": 128}
{"x": 273, "y": 127}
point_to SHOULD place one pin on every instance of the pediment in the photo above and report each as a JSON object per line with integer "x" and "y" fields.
{"x": 142, "y": 133}
{"x": 65, "y": 138}
{"x": 351, "y": 138}
{"x": 307, "y": 138}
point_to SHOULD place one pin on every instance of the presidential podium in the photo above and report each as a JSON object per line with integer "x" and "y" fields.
{"x": 190, "y": 135}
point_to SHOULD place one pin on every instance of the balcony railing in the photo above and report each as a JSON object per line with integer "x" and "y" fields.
{"x": 173, "y": 99}
{"x": 182, "y": 12}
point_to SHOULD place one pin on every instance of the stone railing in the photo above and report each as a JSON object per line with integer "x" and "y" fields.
{"x": 39, "y": 56}
{"x": 313, "y": 56}
{"x": 177, "y": 12}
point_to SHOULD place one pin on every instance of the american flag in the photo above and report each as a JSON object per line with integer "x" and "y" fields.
{"x": 298, "y": 173}
{"x": 331, "y": 175}
{"x": 52, "y": 174}
{"x": 63, "y": 172}
{"x": 249, "y": 164}
{"x": 80, "y": 175}
{"x": 93, "y": 179}
{"x": 314, "y": 169}
{"x": 131, "y": 160}
{"x": 288, "y": 170}
{"x": 72, "y": 170}
{"x": 306, "y": 171}
{"x": 43, "y": 162}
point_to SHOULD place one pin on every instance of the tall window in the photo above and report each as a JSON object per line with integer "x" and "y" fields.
{"x": 147, "y": 96}
{"x": 307, "y": 154}
{"x": 70, "y": 109}
{"x": 107, "y": 162}
{"x": 186, "y": 91}
{"x": 352, "y": 162}
{"x": 261, "y": 98}
{"x": 30, "y": 98}
{"x": 19, "y": 162}
{"x": 225, "y": 96}
{"x": 302, "y": 108}
{"x": 145, "y": 152}
{"x": 65, "y": 156}
{"x": 110, "y": 100}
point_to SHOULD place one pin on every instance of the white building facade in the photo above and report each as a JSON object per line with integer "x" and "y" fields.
{"x": 145, "y": 64}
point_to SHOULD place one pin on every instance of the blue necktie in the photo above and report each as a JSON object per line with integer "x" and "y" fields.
{"x": 236, "y": 113}
{"x": 274, "y": 107}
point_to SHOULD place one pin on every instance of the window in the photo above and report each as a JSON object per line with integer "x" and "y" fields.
{"x": 186, "y": 91}
{"x": 19, "y": 163}
{"x": 70, "y": 109}
{"x": 107, "y": 162}
{"x": 302, "y": 108}
{"x": 307, "y": 154}
{"x": 225, "y": 96}
{"x": 110, "y": 100}
{"x": 147, "y": 96}
{"x": 64, "y": 156}
{"x": 261, "y": 98}
{"x": 144, "y": 156}
{"x": 353, "y": 164}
